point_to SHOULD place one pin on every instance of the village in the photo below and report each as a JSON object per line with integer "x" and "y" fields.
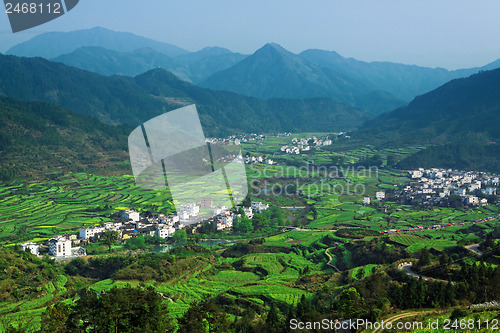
{"x": 434, "y": 186}
{"x": 306, "y": 144}
{"x": 132, "y": 224}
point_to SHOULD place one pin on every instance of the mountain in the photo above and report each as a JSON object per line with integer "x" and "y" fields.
{"x": 192, "y": 67}
{"x": 202, "y": 64}
{"x": 403, "y": 81}
{"x": 459, "y": 108}
{"x": 460, "y": 118}
{"x": 109, "y": 62}
{"x": 274, "y": 72}
{"x": 132, "y": 101}
{"x": 53, "y": 44}
{"x": 40, "y": 138}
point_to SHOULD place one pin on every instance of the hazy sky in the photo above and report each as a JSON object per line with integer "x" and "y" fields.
{"x": 437, "y": 33}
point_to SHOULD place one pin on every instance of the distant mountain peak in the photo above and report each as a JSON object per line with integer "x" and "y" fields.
{"x": 332, "y": 54}
{"x": 272, "y": 47}
{"x": 54, "y": 44}
{"x": 213, "y": 50}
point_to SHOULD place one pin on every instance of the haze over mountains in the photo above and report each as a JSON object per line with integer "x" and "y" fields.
{"x": 271, "y": 72}
{"x": 272, "y": 90}
{"x": 53, "y": 44}
{"x": 132, "y": 101}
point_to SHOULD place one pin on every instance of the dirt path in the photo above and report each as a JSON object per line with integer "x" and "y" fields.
{"x": 474, "y": 248}
{"x": 398, "y": 317}
{"x": 330, "y": 258}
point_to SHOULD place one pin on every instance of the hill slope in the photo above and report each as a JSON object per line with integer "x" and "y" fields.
{"x": 40, "y": 138}
{"x": 53, "y": 44}
{"x": 460, "y": 108}
{"x": 132, "y": 101}
{"x": 461, "y": 118}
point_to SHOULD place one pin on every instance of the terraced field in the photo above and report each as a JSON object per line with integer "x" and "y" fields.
{"x": 35, "y": 212}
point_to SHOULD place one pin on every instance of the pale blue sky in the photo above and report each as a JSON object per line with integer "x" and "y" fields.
{"x": 445, "y": 33}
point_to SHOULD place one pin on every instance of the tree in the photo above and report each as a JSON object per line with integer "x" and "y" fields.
{"x": 118, "y": 310}
{"x": 350, "y": 303}
{"x": 392, "y": 160}
{"x": 54, "y": 318}
{"x": 273, "y": 323}
{"x": 244, "y": 225}
{"x": 425, "y": 258}
{"x": 179, "y": 235}
{"x": 109, "y": 237}
{"x": 203, "y": 317}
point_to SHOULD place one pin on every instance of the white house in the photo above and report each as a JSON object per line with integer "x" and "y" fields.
{"x": 164, "y": 231}
{"x": 460, "y": 191}
{"x": 220, "y": 210}
{"x": 115, "y": 226}
{"x": 475, "y": 186}
{"x": 248, "y": 212}
{"x": 259, "y": 207}
{"x": 130, "y": 214}
{"x": 490, "y": 191}
{"x": 183, "y": 216}
{"x": 380, "y": 195}
{"x": 416, "y": 174}
{"x": 60, "y": 246}
{"x": 31, "y": 246}
{"x": 90, "y": 232}
{"x": 366, "y": 201}
{"x": 472, "y": 200}
{"x": 191, "y": 209}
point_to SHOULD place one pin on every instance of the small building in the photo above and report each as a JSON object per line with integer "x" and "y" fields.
{"x": 259, "y": 207}
{"x": 380, "y": 195}
{"x": 60, "y": 246}
{"x": 32, "y": 247}
{"x": 248, "y": 212}
{"x": 130, "y": 214}
{"x": 206, "y": 203}
{"x": 78, "y": 251}
{"x": 366, "y": 201}
{"x": 472, "y": 200}
{"x": 192, "y": 209}
{"x": 91, "y": 232}
{"x": 164, "y": 231}
{"x": 490, "y": 191}
{"x": 220, "y": 210}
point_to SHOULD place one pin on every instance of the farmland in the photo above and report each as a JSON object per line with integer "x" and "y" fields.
{"x": 35, "y": 212}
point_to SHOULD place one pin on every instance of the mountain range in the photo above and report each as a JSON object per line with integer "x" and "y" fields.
{"x": 458, "y": 120}
{"x": 53, "y": 44}
{"x": 271, "y": 72}
{"x": 191, "y": 67}
{"x": 134, "y": 100}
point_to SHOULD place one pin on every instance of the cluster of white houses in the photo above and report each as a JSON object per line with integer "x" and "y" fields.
{"x": 258, "y": 160}
{"x": 236, "y": 139}
{"x": 306, "y": 144}
{"x": 133, "y": 224}
{"x": 434, "y": 185}
{"x": 380, "y": 195}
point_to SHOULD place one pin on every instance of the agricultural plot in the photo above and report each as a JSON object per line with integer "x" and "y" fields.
{"x": 363, "y": 271}
{"x": 274, "y": 270}
{"x": 406, "y": 240}
{"x": 37, "y": 211}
